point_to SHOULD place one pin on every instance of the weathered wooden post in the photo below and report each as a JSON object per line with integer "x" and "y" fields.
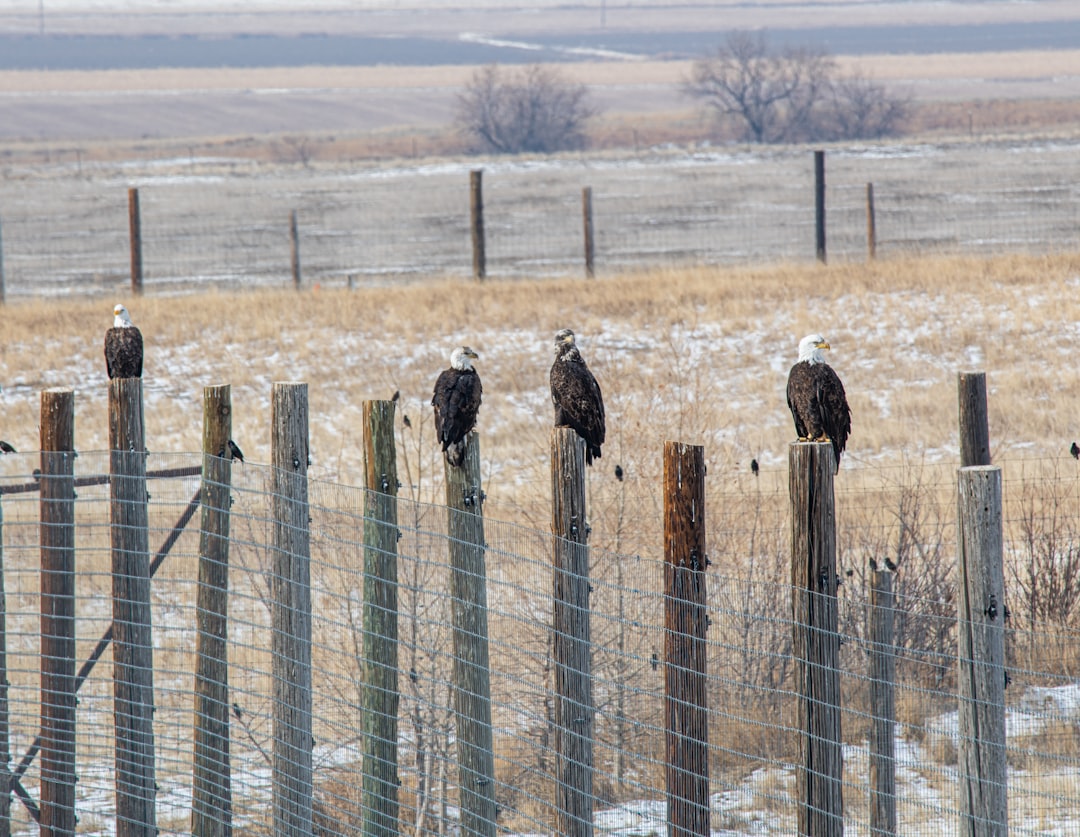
{"x": 819, "y": 204}
{"x": 133, "y": 646}
{"x": 472, "y": 673}
{"x": 294, "y": 248}
{"x": 380, "y": 687}
{"x": 290, "y": 646}
{"x": 587, "y": 219}
{"x": 3, "y": 284}
{"x": 135, "y": 232}
{"x": 211, "y": 810}
{"x": 686, "y": 623}
{"x": 974, "y": 419}
{"x": 5, "y": 710}
{"x": 816, "y": 640}
{"x": 871, "y": 224}
{"x": 57, "y": 614}
{"x": 882, "y": 705}
{"x": 571, "y": 647}
{"x": 476, "y": 213}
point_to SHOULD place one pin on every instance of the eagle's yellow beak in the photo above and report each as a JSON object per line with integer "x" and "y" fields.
{"x": 472, "y": 354}
{"x": 824, "y": 344}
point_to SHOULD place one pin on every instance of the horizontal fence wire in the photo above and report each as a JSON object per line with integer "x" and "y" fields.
{"x": 903, "y": 516}
{"x": 225, "y": 223}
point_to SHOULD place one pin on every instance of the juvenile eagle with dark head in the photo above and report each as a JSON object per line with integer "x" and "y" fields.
{"x": 123, "y": 346}
{"x": 816, "y": 397}
{"x": 456, "y": 402}
{"x": 576, "y": 395}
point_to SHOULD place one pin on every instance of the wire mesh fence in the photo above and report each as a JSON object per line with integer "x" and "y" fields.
{"x": 753, "y": 739}
{"x": 221, "y": 223}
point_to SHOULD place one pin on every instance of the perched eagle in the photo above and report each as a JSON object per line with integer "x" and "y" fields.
{"x": 816, "y": 397}
{"x": 576, "y": 395}
{"x": 123, "y": 347}
{"x": 456, "y": 402}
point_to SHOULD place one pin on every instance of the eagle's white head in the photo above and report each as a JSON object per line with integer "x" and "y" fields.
{"x": 564, "y": 338}
{"x": 121, "y": 318}
{"x": 462, "y": 357}
{"x": 812, "y": 348}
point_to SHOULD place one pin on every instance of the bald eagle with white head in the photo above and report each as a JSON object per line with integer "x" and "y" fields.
{"x": 123, "y": 346}
{"x": 816, "y": 397}
{"x": 576, "y": 395}
{"x": 456, "y": 401}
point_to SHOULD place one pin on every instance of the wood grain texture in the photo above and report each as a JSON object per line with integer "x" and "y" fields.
{"x": 882, "y": 673}
{"x": 974, "y": 419}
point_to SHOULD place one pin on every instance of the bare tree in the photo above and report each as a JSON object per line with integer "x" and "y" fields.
{"x": 860, "y": 108}
{"x": 533, "y": 110}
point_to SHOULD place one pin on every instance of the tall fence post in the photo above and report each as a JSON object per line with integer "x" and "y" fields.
{"x": 981, "y": 671}
{"x": 816, "y": 640}
{"x": 974, "y": 419}
{"x": 882, "y": 705}
{"x": 472, "y": 673}
{"x": 871, "y": 224}
{"x": 3, "y": 283}
{"x": 587, "y": 220}
{"x": 476, "y": 223}
{"x": 819, "y": 204}
{"x": 294, "y": 247}
{"x": 135, "y": 232}
{"x": 5, "y": 709}
{"x": 57, "y": 613}
{"x": 290, "y": 648}
{"x": 570, "y": 623}
{"x": 380, "y": 688}
{"x": 211, "y": 810}
{"x": 686, "y": 624}
{"x": 133, "y": 646}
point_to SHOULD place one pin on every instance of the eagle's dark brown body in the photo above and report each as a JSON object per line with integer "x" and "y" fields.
{"x": 819, "y": 405}
{"x": 576, "y": 395}
{"x": 124, "y": 352}
{"x": 456, "y": 402}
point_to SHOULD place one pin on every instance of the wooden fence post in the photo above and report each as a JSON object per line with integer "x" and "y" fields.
{"x": 5, "y": 710}
{"x": 294, "y": 248}
{"x": 819, "y": 204}
{"x": 3, "y": 284}
{"x": 981, "y": 671}
{"x": 816, "y": 640}
{"x": 135, "y": 231}
{"x": 133, "y": 646}
{"x": 380, "y": 688}
{"x": 587, "y": 219}
{"x": 57, "y": 613}
{"x": 211, "y": 811}
{"x": 570, "y": 623}
{"x": 472, "y": 674}
{"x": 974, "y": 419}
{"x": 871, "y": 224}
{"x": 882, "y": 705}
{"x": 293, "y": 788}
{"x": 476, "y": 213}
{"x": 686, "y": 623}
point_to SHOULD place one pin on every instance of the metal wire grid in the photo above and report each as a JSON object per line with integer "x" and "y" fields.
{"x": 753, "y": 743}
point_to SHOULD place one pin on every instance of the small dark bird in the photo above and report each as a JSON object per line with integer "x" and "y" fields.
{"x": 234, "y": 451}
{"x": 236, "y": 710}
{"x": 890, "y": 566}
{"x": 396, "y": 395}
{"x": 405, "y": 420}
{"x": 618, "y": 473}
{"x": 5, "y": 447}
{"x": 873, "y": 565}
{"x": 456, "y": 401}
{"x": 123, "y": 346}
{"x": 654, "y": 661}
{"x": 754, "y": 467}
{"x": 1075, "y": 451}
{"x": 576, "y": 395}
{"x": 849, "y": 573}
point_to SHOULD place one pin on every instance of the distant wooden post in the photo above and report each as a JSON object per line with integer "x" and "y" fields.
{"x": 294, "y": 248}
{"x": 290, "y": 645}
{"x": 819, "y": 203}
{"x": 380, "y": 688}
{"x": 871, "y": 224}
{"x": 686, "y": 623}
{"x": 476, "y": 212}
{"x": 472, "y": 673}
{"x": 590, "y": 248}
{"x": 974, "y": 420}
{"x": 981, "y": 670}
{"x": 57, "y": 614}
{"x": 3, "y": 284}
{"x": 5, "y": 711}
{"x": 135, "y": 230}
{"x": 133, "y": 646}
{"x": 570, "y": 623}
{"x": 882, "y": 706}
{"x": 211, "y": 811}
{"x": 816, "y": 641}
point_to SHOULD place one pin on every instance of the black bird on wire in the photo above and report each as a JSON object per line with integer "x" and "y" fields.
{"x": 890, "y": 566}
{"x": 5, "y": 447}
{"x": 618, "y": 473}
{"x": 231, "y": 451}
{"x": 754, "y": 467}
{"x": 1075, "y": 451}
{"x": 396, "y": 395}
